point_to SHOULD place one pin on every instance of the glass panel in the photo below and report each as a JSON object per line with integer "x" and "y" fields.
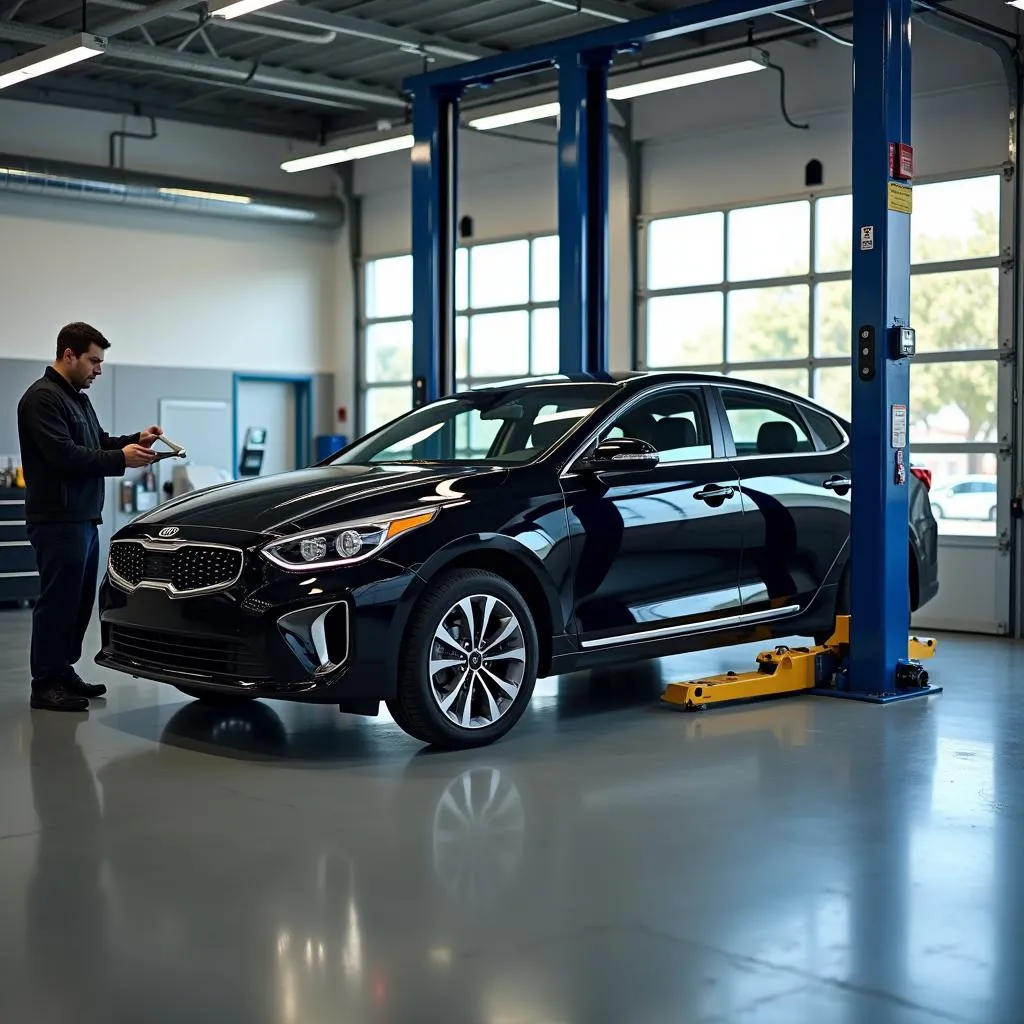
{"x": 834, "y": 229}
{"x": 768, "y": 323}
{"x": 769, "y": 241}
{"x": 832, "y": 389}
{"x": 389, "y": 287}
{"x": 675, "y": 422}
{"x": 500, "y": 274}
{"x": 385, "y": 404}
{"x": 764, "y": 425}
{"x": 833, "y": 318}
{"x": 791, "y": 379}
{"x": 500, "y": 345}
{"x": 461, "y": 277}
{"x": 389, "y": 351}
{"x": 955, "y": 220}
{"x": 686, "y": 251}
{"x": 461, "y": 346}
{"x": 963, "y": 494}
{"x": 958, "y": 310}
{"x": 545, "y": 342}
{"x": 953, "y": 402}
{"x": 545, "y": 269}
{"x": 685, "y": 330}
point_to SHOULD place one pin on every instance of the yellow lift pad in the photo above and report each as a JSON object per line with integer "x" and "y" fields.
{"x": 781, "y": 671}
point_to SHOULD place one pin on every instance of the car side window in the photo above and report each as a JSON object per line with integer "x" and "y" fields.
{"x": 825, "y": 427}
{"x": 764, "y": 424}
{"x": 675, "y": 422}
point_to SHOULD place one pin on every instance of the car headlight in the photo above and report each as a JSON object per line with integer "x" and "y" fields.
{"x": 342, "y": 544}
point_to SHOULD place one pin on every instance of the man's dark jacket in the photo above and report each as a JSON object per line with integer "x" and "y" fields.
{"x": 64, "y": 453}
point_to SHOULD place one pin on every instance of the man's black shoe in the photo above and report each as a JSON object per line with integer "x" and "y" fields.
{"x": 80, "y": 688}
{"x": 58, "y": 700}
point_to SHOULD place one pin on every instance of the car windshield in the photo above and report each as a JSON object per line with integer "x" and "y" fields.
{"x": 500, "y": 426}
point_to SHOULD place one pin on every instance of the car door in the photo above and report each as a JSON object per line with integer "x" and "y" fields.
{"x": 656, "y": 551}
{"x": 793, "y": 462}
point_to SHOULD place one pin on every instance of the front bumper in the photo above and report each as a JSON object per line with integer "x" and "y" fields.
{"x": 326, "y": 639}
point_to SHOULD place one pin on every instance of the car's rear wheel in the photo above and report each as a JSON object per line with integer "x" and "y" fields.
{"x": 216, "y": 697}
{"x": 468, "y": 663}
{"x": 937, "y": 511}
{"x": 993, "y": 514}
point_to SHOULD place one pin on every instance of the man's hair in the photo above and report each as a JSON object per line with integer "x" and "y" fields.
{"x": 79, "y": 337}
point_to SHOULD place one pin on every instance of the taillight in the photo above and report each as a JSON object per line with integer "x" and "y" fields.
{"x": 924, "y": 475}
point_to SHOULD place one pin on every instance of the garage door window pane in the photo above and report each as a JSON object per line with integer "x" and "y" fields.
{"x": 385, "y": 404}
{"x": 686, "y": 251}
{"x": 792, "y": 380}
{"x": 545, "y": 342}
{"x": 389, "y": 351}
{"x": 685, "y": 330}
{"x": 389, "y": 287}
{"x": 500, "y": 345}
{"x": 499, "y": 275}
{"x": 832, "y": 389}
{"x": 461, "y": 346}
{"x": 461, "y": 278}
{"x": 834, "y": 229}
{"x": 964, "y": 496}
{"x": 953, "y": 402}
{"x": 769, "y": 241}
{"x": 768, "y": 323}
{"x": 545, "y": 269}
{"x": 955, "y": 311}
{"x": 955, "y": 220}
{"x": 833, "y": 316}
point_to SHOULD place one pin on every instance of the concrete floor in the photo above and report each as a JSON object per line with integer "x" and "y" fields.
{"x": 612, "y": 860}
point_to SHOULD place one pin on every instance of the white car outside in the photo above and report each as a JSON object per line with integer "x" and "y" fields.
{"x": 969, "y": 497}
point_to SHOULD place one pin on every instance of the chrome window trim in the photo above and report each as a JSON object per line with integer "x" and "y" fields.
{"x": 166, "y": 586}
{"x": 568, "y": 469}
{"x": 707, "y": 625}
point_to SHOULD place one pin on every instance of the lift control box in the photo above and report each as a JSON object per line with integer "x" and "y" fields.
{"x": 902, "y": 342}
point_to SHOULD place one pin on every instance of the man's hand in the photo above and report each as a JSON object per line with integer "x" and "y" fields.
{"x": 136, "y": 456}
{"x": 149, "y": 435}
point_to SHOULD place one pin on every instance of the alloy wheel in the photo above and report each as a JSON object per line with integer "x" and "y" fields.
{"x": 477, "y": 661}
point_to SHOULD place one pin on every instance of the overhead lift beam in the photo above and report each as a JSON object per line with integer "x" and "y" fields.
{"x": 883, "y": 341}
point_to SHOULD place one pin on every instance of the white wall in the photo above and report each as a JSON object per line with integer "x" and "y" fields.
{"x": 167, "y": 291}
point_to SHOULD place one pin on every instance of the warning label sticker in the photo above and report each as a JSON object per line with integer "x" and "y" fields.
{"x": 901, "y": 198}
{"x": 867, "y": 238}
{"x": 899, "y": 426}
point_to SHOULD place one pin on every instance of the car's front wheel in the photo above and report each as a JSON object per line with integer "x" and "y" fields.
{"x": 468, "y": 663}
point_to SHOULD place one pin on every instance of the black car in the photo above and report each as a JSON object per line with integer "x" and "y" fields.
{"x": 445, "y": 561}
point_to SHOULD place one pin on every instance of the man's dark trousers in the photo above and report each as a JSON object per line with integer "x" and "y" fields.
{"x": 67, "y": 555}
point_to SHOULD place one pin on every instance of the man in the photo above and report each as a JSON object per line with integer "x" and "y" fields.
{"x": 66, "y": 456}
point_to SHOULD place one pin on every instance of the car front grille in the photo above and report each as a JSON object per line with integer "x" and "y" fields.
{"x": 183, "y": 570}
{"x": 186, "y": 655}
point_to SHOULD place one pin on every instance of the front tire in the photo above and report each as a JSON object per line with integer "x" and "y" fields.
{"x": 468, "y": 664}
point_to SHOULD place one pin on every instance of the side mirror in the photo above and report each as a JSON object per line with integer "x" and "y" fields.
{"x": 623, "y": 454}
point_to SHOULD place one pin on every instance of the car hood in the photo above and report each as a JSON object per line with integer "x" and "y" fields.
{"x": 311, "y": 498}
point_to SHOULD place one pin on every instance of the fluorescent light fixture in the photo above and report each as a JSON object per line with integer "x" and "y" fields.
{"x": 636, "y": 84}
{"x": 643, "y": 83}
{"x": 50, "y": 58}
{"x": 220, "y": 197}
{"x": 511, "y": 117}
{"x": 339, "y": 156}
{"x": 236, "y": 8}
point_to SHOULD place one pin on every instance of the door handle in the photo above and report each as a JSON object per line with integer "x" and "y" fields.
{"x": 840, "y": 484}
{"x": 713, "y": 493}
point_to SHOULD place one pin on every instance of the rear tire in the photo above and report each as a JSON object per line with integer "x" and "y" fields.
{"x": 937, "y": 512}
{"x": 470, "y": 689}
{"x": 844, "y": 602}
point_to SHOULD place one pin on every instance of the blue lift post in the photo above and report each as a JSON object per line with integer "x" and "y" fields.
{"x": 881, "y": 272}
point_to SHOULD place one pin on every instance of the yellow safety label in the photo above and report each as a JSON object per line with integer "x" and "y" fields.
{"x": 901, "y": 198}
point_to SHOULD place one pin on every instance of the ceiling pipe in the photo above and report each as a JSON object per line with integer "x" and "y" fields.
{"x": 313, "y": 38}
{"x": 223, "y": 69}
{"x": 51, "y": 179}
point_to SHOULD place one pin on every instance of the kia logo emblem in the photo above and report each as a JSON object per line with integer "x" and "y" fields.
{"x": 168, "y": 531}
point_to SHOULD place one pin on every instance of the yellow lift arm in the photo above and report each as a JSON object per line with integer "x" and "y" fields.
{"x": 792, "y": 670}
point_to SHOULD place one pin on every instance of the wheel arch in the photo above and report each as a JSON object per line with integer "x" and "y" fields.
{"x": 508, "y": 559}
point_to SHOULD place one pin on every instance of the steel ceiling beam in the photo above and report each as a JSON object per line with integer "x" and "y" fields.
{"x": 222, "y": 69}
{"x": 375, "y": 32}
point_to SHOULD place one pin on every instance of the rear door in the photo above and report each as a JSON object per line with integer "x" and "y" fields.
{"x": 656, "y": 552}
{"x": 793, "y": 462}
